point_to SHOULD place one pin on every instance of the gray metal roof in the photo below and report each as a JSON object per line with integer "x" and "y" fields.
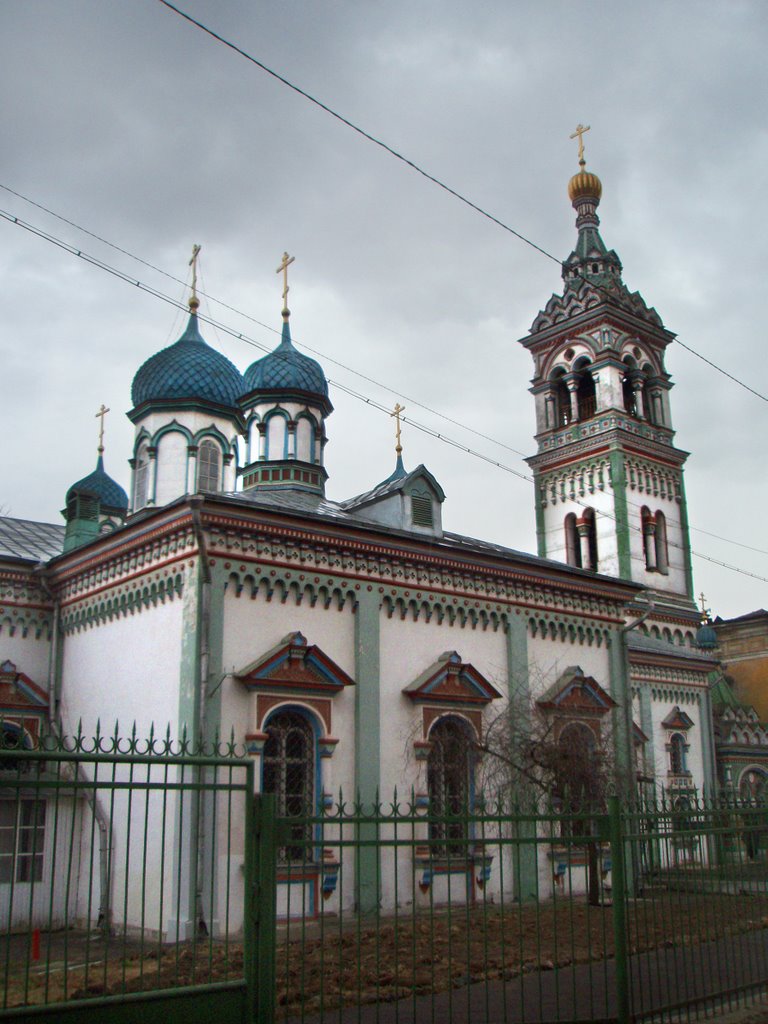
{"x": 22, "y": 538}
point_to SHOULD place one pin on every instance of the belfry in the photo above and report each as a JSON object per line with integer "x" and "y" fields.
{"x": 608, "y": 478}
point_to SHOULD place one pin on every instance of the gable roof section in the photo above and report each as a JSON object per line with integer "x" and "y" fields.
{"x": 398, "y": 482}
{"x": 677, "y": 719}
{"x": 451, "y": 681}
{"x": 18, "y": 692}
{"x": 297, "y": 666}
{"x": 577, "y": 694}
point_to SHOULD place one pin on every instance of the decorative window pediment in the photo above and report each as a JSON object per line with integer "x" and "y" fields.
{"x": 577, "y": 694}
{"x": 638, "y": 736}
{"x": 677, "y": 719}
{"x": 18, "y": 692}
{"x": 297, "y": 667}
{"x": 451, "y": 681}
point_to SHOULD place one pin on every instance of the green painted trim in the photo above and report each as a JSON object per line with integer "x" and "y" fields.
{"x": 525, "y": 867}
{"x": 646, "y": 724}
{"x": 214, "y": 685}
{"x": 541, "y": 528}
{"x": 182, "y": 912}
{"x": 708, "y": 755}
{"x": 368, "y": 739}
{"x": 189, "y": 661}
{"x": 619, "y": 485}
{"x": 622, "y": 715}
{"x": 686, "y": 539}
{"x": 224, "y": 1002}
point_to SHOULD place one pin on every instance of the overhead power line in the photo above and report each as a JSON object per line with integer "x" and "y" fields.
{"x": 424, "y": 428}
{"x": 416, "y": 167}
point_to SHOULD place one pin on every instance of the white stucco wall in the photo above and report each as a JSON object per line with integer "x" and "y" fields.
{"x": 126, "y": 669}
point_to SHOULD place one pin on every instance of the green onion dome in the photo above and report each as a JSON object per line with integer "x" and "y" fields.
{"x": 100, "y": 485}
{"x": 188, "y": 369}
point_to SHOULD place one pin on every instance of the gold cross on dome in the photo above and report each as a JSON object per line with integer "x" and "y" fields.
{"x": 398, "y": 409}
{"x": 100, "y": 415}
{"x": 283, "y": 269}
{"x": 580, "y": 129}
{"x": 705, "y": 612}
{"x": 193, "y": 301}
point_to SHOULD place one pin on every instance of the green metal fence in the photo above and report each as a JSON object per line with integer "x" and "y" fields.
{"x": 145, "y": 881}
{"x": 126, "y": 874}
{"x": 513, "y": 914}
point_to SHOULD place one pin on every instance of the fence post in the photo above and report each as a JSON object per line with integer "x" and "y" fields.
{"x": 619, "y": 910}
{"x": 264, "y": 906}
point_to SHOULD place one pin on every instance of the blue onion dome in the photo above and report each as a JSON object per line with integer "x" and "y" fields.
{"x": 706, "y": 637}
{"x": 101, "y": 486}
{"x": 286, "y": 369}
{"x": 189, "y": 369}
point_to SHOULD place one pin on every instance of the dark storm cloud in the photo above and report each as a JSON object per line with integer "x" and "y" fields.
{"x": 133, "y": 123}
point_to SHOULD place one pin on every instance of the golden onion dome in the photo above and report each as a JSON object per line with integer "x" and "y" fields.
{"x": 584, "y": 184}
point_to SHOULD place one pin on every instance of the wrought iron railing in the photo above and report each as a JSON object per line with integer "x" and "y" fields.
{"x": 149, "y": 872}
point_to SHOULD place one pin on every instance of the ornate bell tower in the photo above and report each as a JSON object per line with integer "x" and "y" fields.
{"x": 608, "y": 478}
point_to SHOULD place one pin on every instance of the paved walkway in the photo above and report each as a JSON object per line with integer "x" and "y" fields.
{"x": 665, "y": 978}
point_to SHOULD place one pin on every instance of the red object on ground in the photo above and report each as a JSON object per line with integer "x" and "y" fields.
{"x": 36, "y": 944}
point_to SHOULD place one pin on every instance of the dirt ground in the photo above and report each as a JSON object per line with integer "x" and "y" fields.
{"x": 353, "y": 962}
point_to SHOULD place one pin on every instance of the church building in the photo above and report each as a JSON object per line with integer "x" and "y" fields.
{"x": 357, "y": 646}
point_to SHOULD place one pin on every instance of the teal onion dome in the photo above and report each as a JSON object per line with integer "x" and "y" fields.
{"x": 286, "y": 369}
{"x": 706, "y": 637}
{"x": 188, "y": 369}
{"x": 100, "y": 485}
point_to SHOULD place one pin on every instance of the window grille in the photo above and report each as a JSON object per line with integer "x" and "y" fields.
{"x": 421, "y": 510}
{"x": 208, "y": 466}
{"x": 22, "y": 840}
{"x": 289, "y": 773}
{"x": 677, "y": 754}
{"x": 449, "y": 770}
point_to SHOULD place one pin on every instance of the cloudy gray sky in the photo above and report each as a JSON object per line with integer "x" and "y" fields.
{"x": 135, "y": 125}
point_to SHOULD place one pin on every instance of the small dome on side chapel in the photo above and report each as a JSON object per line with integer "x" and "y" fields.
{"x": 101, "y": 486}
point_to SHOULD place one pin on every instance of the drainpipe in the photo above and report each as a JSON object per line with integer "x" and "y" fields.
{"x": 625, "y": 657}
{"x": 57, "y": 727}
{"x": 204, "y": 624}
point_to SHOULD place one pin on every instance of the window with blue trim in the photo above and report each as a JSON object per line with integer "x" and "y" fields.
{"x": 450, "y": 778}
{"x": 289, "y": 772}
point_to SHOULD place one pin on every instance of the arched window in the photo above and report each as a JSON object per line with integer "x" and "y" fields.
{"x": 208, "y": 466}
{"x": 305, "y": 439}
{"x": 652, "y": 398}
{"x": 648, "y": 525}
{"x": 141, "y": 478}
{"x": 677, "y": 754}
{"x": 587, "y": 528}
{"x": 585, "y": 391}
{"x": 288, "y": 765}
{"x": 572, "y": 544}
{"x": 628, "y": 392}
{"x": 562, "y": 397}
{"x": 449, "y": 782}
{"x": 662, "y": 548}
{"x": 277, "y": 437}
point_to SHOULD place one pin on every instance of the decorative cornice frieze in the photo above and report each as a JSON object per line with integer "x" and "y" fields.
{"x": 122, "y": 599}
{"x": 264, "y": 556}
